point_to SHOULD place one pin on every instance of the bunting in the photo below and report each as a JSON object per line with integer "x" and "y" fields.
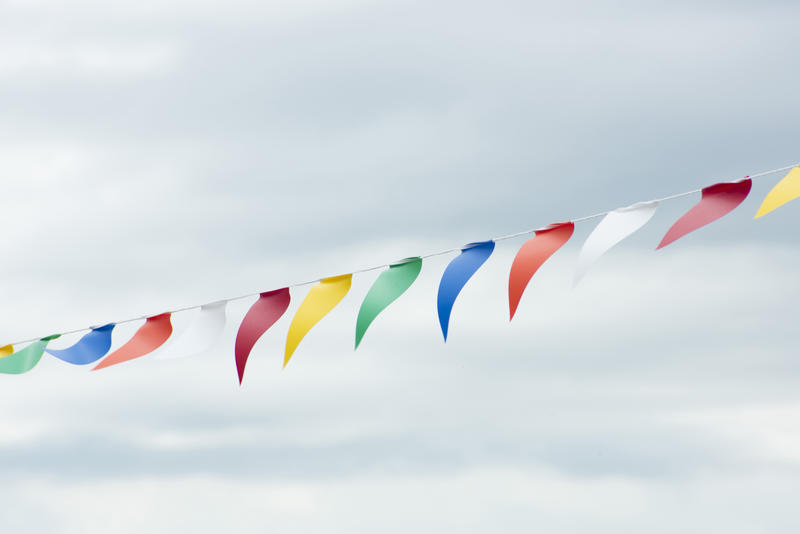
{"x": 391, "y": 283}
{"x": 201, "y": 335}
{"x": 614, "y": 227}
{"x": 26, "y": 359}
{"x": 269, "y": 307}
{"x": 89, "y": 349}
{"x": 716, "y": 200}
{"x": 395, "y": 279}
{"x": 784, "y": 191}
{"x": 456, "y": 276}
{"x": 318, "y": 303}
{"x": 151, "y": 335}
{"x": 531, "y": 256}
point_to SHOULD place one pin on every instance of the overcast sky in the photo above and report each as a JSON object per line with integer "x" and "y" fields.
{"x": 162, "y": 153}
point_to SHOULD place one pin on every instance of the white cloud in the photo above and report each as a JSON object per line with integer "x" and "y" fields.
{"x": 177, "y": 10}
{"x": 46, "y": 61}
{"x": 474, "y": 501}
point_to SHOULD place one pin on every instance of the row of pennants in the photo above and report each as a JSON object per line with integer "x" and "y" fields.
{"x": 716, "y": 201}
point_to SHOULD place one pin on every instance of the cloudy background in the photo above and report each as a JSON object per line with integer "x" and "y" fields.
{"x": 159, "y": 153}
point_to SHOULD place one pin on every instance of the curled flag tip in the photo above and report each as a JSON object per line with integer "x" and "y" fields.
{"x": 322, "y": 298}
{"x": 90, "y": 348}
{"x": 784, "y": 191}
{"x": 716, "y": 200}
{"x": 151, "y": 335}
{"x": 264, "y": 312}
{"x": 456, "y": 276}
{"x": 615, "y": 226}
{"x": 531, "y": 256}
{"x": 25, "y": 359}
{"x": 392, "y": 283}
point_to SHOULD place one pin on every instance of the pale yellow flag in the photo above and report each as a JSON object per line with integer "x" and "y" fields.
{"x": 784, "y": 191}
{"x": 8, "y": 350}
{"x": 322, "y": 298}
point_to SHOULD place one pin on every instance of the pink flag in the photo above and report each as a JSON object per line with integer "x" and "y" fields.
{"x": 717, "y": 200}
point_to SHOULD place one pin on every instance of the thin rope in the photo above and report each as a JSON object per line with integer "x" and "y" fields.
{"x": 383, "y": 266}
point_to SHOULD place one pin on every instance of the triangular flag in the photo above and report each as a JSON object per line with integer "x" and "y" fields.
{"x": 615, "y": 226}
{"x": 392, "y": 283}
{"x": 532, "y": 255}
{"x": 264, "y": 312}
{"x": 716, "y": 200}
{"x": 456, "y": 276}
{"x": 25, "y": 359}
{"x": 90, "y": 348}
{"x": 200, "y": 336}
{"x": 322, "y": 298}
{"x": 784, "y": 191}
{"x": 151, "y": 335}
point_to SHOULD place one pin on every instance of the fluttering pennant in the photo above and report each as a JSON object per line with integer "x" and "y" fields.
{"x": 200, "y": 336}
{"x": 716, "y": 200}
{"x": 269, "y": 307}
{"x": 322, "y": 298}
{"x": 531, "y": 256}
{"x": 7, "y": 350}
{"x": 25, "y": 359}
{"x": 615, "y": 226}
{"x": 391, "y": 283}
{"x": 784, "y": 191}
{"x": 456, "y": 276}
{"x": 151, "y": 335}
{"x": 90, "y": 348}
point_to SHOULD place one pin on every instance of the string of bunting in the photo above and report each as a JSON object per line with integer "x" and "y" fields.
{"x": 715, "y": 201}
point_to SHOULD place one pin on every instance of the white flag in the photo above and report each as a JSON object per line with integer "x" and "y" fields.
{"x": 200, "y": 336}
{"x": 615, "y": 226}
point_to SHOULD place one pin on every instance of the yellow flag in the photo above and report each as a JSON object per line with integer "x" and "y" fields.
{"x": 784, "y": 191}
{"x": 8, "y": 350}
{"x": 322, "y": 298}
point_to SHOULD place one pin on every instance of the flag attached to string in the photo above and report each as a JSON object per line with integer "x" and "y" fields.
{"x": 25, "y": 359}
{"x": 90, "y": 348}
{"x": 456, "y": 276}
{"x": 264, "y": 312}
{"x": 615, "y": 226}
{"x": 531, "y": 256}
{"x": 322, "y": 298}
{"x": 151, "y": 335}
{"x": 716, "y": 200}
{"x": 391, "y": 283}
{"x": 200, "y": 336}
{"x": 784, "y": 191}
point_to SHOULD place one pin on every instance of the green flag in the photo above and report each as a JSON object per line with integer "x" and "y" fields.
{"x": 392, "y": 283}
{"x": 26, "y": 359}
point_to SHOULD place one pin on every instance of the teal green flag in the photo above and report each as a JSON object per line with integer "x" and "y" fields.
{"x": 392, "y": 283}
{"x": 26, "y": 359}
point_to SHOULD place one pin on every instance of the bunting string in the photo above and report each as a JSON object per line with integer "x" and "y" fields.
{"x": 716, "y": 201}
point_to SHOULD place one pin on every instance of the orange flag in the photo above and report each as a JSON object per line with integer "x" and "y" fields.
{"x": 531, "y": 256}
{"x": 151, "y": 335}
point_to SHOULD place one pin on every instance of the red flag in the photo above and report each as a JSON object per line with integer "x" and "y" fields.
{"x": 717, "y": 200}
{"x": 269, "y": 307}
{"x": 531, "y": 256}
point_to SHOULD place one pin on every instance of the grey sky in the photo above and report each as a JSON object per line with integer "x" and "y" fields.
{"x": 162, "y": 153}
